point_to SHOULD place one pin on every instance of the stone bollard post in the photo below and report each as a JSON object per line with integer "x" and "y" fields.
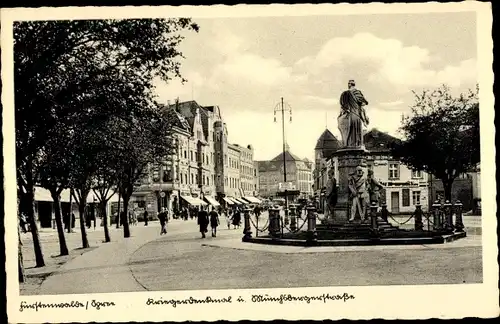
{"x": 419, "y": 224}
{"x": 312, "y": 236}
{"x": 293, "y": 218}
{"x": 459, "y": 224}
{"x": 373, "y": 216}
{"x": 274, "y": 222}
{"x": 384, "y": 212}
{"x": 247, "y": 230}
{"x": 448, "y": 217}
{"x": 436, "y": 211}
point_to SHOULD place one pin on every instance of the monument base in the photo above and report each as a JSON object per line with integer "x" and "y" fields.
{"x": 348, "y": 160}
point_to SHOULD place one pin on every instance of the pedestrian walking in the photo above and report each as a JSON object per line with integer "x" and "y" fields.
{"x": 214, "y": 221}
{"x": 163, "y": 217}
{"x": 228, "y": 218}
{"x": 146, "y": 217}
{"x": 203, "y": 221}
{"x": 236, "y": 218}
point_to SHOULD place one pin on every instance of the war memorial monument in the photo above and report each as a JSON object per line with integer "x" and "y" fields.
{"x": 354, "y": 213}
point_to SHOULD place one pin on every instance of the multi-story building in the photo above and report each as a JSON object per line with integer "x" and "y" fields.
{"x": 248, "y": 181}
{"x": 298, "y": 174}
{"x": 232, "y": 188}
{"x": 205, "y": 168}
{"x": 404, "y": 187}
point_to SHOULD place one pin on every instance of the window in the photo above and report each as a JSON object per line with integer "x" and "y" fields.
{"x": 192, "y": 178}
{"x": 191, "y": 155}
{"x": 406, "y": 197}
{"x": 393, "y": 171}
{"x": 416, "y": 174}
{"x": 416, "y": 198}
{"x": 185, "y": 154}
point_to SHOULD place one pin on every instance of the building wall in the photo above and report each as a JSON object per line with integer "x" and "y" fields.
{"x": 247, "y": 173}
{"x": 221, "y": 152}
{"x": 271, "y": 174}
{"x": 232, "y": 182}
{"x": 404, "y": 188}
{"x": 256, "y": 178}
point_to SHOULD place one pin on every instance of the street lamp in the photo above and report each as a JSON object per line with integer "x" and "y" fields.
{"x": 280, "y": 107}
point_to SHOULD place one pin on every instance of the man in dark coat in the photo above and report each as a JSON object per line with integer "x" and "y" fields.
{"x": 145, "y": 217}
{"x": 163, "y": 217}
{"x": 203, "y": 221}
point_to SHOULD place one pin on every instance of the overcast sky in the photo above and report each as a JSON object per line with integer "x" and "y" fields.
{"x": 246, "y": 65}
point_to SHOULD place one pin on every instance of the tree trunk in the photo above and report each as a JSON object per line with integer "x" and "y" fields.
{"x": 70, "y": 225}
{"x": 63, "y": 248}
{"x": 126, "y": 228}
{"x": 82, "y": 208}
{"x": 29, "y": 205}
{"x": 119, "y": 211}
{"x": 107, "y": 238}
{"x": 447, "y": 186}
{"x": 20, "y": 261}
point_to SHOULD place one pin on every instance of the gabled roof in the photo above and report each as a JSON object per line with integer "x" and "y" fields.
{"x": 176, "y": 118}
{"x": 327, "y": 143}
{"x": 188, "y": 110}
{"x": 377, "y": 141}
{"x": 264, "y": 166}
{"x": 288, "y": 157}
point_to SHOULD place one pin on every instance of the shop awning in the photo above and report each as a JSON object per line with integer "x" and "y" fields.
{"x": 239, "y": 201}
{"x": 229, "y": 201}
{"x": 199, "y": 202}
{"x": 191, "y": 200}
{"x": 212, "y": 201}
{"x": 253, "y": 200}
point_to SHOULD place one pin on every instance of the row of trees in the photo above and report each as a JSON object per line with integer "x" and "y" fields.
{"x": 85, "y": 113}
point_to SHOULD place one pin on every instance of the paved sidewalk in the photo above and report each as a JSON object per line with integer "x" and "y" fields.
{"x": 80, "y": 258}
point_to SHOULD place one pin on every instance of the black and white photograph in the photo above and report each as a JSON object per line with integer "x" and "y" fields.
{"x": 249, "y": 162}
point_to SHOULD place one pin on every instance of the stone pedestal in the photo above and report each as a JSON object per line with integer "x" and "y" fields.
{"x": 348, "y": 160}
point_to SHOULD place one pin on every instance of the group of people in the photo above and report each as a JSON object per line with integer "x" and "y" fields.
{"x": 206, "y": 217}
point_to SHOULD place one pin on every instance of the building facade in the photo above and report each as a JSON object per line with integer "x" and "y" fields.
{"x": 205, "y": 167}
{"x": 298, "y": 175}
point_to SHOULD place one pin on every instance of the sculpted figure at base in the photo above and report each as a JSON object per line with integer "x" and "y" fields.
{"x": 374, "y": 188}
{"x": 352, "y": 116}
{"x": 331, "y": 193}
{"x": 358, "y": 194}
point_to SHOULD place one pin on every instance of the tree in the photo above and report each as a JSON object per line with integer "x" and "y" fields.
{"x": 146, "y": 139}
{"x": 52, "y": 173}
{"x": 442, "y": 136}
{"x": 66, "y": 69}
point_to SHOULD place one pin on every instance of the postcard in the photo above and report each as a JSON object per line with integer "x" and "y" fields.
{"x": 253, "y": 162}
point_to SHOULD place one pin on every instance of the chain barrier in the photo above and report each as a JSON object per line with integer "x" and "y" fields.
{"x": 304, "y": 221}
{"x": 428, "y": 218}
{"x": 413, "y": 215}
{"x": 266, "y": 226}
